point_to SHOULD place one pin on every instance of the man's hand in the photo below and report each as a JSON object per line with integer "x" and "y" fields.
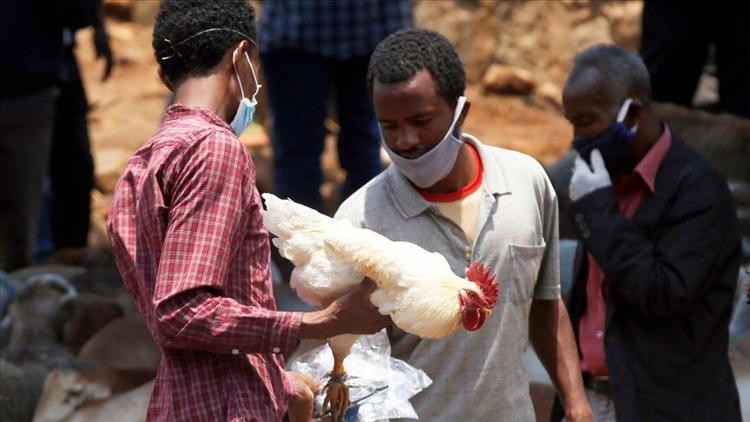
{"x": 551, "y": 335}
{"x": 352, "y": 313}
{"x": 301, "y": 408}
{"x": 355, "y": 314}
{"x": 586, "y": 180}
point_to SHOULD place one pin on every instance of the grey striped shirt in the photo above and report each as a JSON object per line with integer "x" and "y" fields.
{"x": 478, "y": 375}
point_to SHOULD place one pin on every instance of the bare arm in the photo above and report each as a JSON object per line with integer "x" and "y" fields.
{"x": 552, "y": 337}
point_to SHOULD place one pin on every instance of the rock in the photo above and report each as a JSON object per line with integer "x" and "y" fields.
{"x": 625, "y": 20}
{"x": 550, "y": 93}
{"x": 539, "y": 36}
{"x": 144, "y": 12}
{"x": 595, "y": 31}
{"x": 508, "y": 80}
{"x": 722, "y": 138}
{"x": 108, "y": 164}
{"x": 100, "y": 204}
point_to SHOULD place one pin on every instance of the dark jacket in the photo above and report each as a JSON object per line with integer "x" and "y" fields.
{"x": 672, "y": 274}
{"x": 31, "y": 41}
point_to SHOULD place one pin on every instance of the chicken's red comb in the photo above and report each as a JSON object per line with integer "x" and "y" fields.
{"x": 484, "y": 278}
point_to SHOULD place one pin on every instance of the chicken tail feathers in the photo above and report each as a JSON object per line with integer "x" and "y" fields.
{"x": 300, "y": 230}
{"x": 284, "y": 217}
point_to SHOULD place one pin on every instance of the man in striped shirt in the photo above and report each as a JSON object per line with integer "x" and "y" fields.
{"x": 189, "y": 239}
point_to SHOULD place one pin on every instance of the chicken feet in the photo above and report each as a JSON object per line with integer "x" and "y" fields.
{"x": 337, "y": 392}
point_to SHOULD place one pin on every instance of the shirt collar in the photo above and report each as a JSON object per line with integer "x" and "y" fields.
{"x": 176, "y": 111}
{"x": 651, "y": 162}
{"x": 410, "y": 203}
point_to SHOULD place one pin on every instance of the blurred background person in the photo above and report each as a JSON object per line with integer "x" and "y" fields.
{"x": 315, "y": 52}
{"x": 675, "y": 43}
{"x": 31, "y": 46}
{"x": 66, "y": 213}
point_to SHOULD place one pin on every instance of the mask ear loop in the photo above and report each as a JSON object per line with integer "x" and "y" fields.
{"x": 237, "y": 74}
{"x": 624, "y": 112}
{"x": 255, "y": 78}
{"x": 457, "y": 114}
{"x": 172, "y": 47}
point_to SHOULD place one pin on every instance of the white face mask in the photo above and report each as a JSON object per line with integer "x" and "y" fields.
{"x": 432, "y": 166}
{"x": 245, "y": 111}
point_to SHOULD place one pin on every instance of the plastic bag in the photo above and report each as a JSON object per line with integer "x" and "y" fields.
{"x": 379, "y": 386}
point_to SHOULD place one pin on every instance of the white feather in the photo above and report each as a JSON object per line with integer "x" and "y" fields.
{"x": 415, "y": 287}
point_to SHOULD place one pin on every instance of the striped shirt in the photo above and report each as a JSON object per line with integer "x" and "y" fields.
{"x": 480, "y": 375}
{"x": 190, "y": 245}
{"x": 339, "y": 29}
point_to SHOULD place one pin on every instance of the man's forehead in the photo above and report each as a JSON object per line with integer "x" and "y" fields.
{"x": 407, "y": 96}
{"x": 420, "y": 84}
{"x": 588, "y": 87}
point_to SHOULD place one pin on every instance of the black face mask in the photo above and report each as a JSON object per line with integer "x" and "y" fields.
{"x": 613, "y": 143}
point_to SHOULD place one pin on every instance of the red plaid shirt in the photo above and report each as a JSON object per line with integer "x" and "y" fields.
{"x": 190, "y": 245}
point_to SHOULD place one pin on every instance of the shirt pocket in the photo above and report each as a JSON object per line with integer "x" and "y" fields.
{"x": 525, "y": 263}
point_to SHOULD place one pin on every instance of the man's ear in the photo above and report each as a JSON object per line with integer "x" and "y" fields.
{"x": 242, "y": 48}
{"x": 635, "y": 113}
{"x": 164, "y": 79}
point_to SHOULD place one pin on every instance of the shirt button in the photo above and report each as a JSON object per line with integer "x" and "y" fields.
{"x": 276, "y": 350}
{"x": 586, "y": 233}
{"x": 599, "y": 333}
{"x": 467, "y": 255}
{"x": 579, "y": 218}
{"x": 235, "y": 352}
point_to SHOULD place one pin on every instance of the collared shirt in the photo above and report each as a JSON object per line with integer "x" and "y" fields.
{"x": 190, "y": 245}
{"x": 630, "y": 190}
{"x": 340, "y": 29}
{"x": 462, "y": 207}
{"x": 477, "y": 375}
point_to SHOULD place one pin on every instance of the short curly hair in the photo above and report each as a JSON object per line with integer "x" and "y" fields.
{"x": 624, "y": 71}
{"x": 404, "y": 53}
{"x": 178, "y": 20}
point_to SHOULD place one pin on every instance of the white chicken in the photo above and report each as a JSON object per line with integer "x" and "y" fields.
{"x": 415, "y": 287}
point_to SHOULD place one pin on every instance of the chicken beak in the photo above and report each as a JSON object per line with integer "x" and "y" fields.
{"x": 486, "y": 311}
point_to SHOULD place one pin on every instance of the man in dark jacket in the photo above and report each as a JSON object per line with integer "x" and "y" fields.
{"x": 656, "y": 274}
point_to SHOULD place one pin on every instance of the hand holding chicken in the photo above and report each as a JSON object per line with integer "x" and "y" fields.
{"x": 415, "y": 287}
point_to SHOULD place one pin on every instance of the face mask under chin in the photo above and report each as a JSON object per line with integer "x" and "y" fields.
{"x": 437, "y": 162}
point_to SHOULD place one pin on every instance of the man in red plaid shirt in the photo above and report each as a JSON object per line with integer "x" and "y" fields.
{"x": 189, "y": 240}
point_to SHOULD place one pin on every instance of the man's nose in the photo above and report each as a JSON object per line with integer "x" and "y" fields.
{"x": 407, "y": 139}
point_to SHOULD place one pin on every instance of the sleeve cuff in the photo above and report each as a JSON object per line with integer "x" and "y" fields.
{"x": 285, "y": 336}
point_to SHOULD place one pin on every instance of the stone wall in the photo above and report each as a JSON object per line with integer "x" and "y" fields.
{"x": 539, "y": 36}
